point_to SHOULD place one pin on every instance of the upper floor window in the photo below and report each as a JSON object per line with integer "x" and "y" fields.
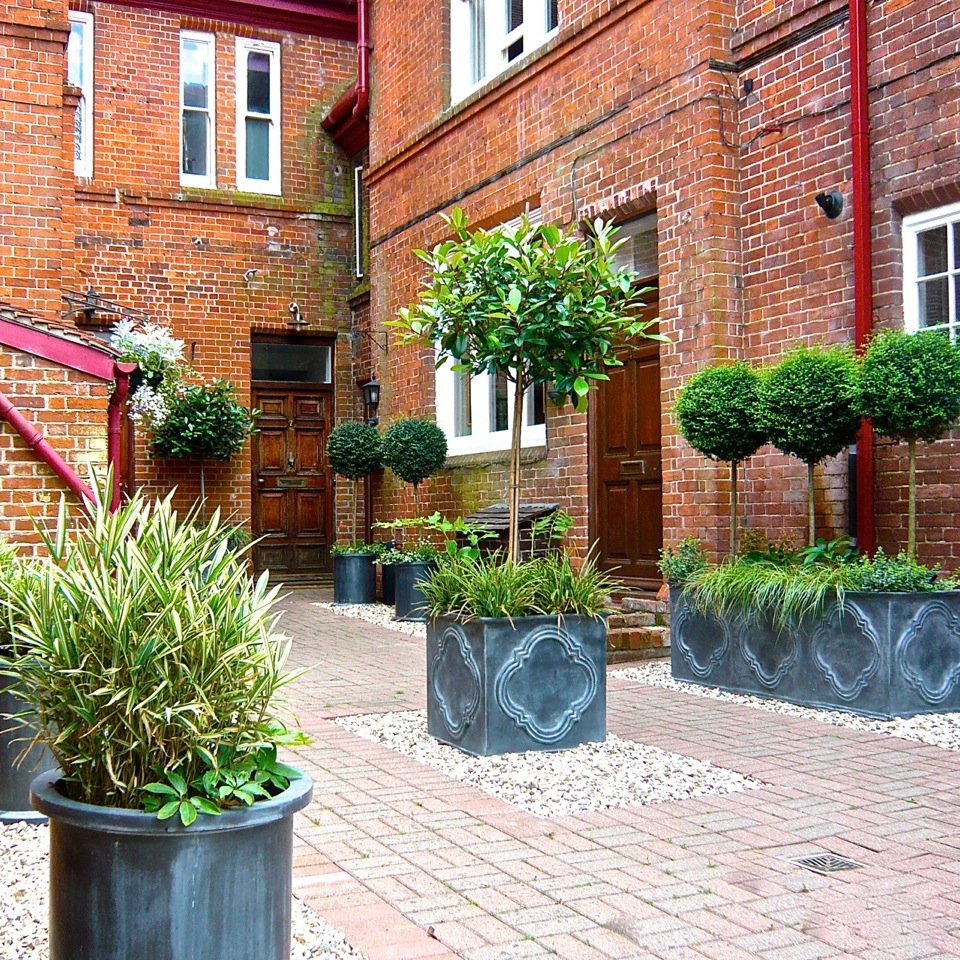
{"x": 931, "y": 270}
{"x": 638, "y": 251}
{"x": 258, "y": 116}
{"x": 197, "y": 99}
{"x": 486, "y": 36}
{"x": 80, "y": 74}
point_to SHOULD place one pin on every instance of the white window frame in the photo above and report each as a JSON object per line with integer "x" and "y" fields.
{"x": 208, "y": 40}
{"x": 272, "y": 186}
{"x": 913, "y": 226}
{"x": 83, "y": 164}
{"x": 479, "y": 40}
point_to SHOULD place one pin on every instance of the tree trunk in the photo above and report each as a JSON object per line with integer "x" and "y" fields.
{"x": 733, "y": 508}
{"x": 416, "y": 500}
{"x": 203, "y": 494}
{"x": 912, "y": 499}
{"x": 513, "y": 545}
{"x": 811, "y": 511}
{"x": 353, "y": 511}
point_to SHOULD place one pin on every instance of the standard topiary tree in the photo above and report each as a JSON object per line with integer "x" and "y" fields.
{"x": 810, "y": 408}
{"x": 414, "y": 450}
{"x": 719, "y": 416}
{"x": 533, "y": 303}
{"x": 354, "y": 450}
{"x": 911, "y": 392}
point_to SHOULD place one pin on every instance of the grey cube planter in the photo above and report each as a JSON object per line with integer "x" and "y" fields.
{"x": 17, "y": 770}
{"x": 354, "y": 578}
{"x": 536, "y": 684}
{"x": 882, "y": 655}
{"x": 124, "y": 884}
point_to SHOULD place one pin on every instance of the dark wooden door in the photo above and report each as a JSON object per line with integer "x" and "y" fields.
{"x": 628, "y": 511}
{"x": 293, "y": 495}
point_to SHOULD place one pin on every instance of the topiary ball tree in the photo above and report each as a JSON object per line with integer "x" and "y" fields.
{"x": 354, "y": 451}
{"x": 810, "y": 408}
{"x": 911, "y": 392}
{"x": 719, "y": 416}
{"x": 414, "y": 450}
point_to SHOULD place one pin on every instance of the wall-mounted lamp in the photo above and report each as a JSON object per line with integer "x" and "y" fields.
{"x": 371, "y": 400}
{"x": 830, "y": 203}
{"x": 296, "y": 317}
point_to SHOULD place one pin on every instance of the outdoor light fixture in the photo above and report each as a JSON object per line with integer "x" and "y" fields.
{"x": 371, "y": 400}
{"x": 830, "y": 203}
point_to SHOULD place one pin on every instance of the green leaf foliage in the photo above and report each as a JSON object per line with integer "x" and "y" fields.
{"x": 204, "y": 421}
{"x": 719, "y": 412}
{"x": 140, "y": 645}
{"x": 810, "y": 402}
{"x": 911, "y": 384}
{"x": 354, "y": 449}
{"x": 414, "y": 449}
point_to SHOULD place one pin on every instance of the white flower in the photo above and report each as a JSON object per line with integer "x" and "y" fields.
{"x": 149, "y": 407}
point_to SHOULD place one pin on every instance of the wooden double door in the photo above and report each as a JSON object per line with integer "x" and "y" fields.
{"x": 292, "y": 485}
{"x": 627, "y": 475}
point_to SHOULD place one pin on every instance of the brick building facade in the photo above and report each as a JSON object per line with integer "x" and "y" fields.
{"x": 722, "y": 120}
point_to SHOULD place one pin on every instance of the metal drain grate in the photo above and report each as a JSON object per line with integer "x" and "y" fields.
{"x": 826, "y": 863}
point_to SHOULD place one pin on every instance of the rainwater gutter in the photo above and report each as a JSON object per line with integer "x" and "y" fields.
{"x": 862, "y": 257}
{"x": 347, "y": 120}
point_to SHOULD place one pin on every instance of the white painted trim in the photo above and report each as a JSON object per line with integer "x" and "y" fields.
{"x": 209, "y": 41}
{"x": 83, "y": 165}
{"x": 912, "y": 225}
{"x": 273, "y": 185}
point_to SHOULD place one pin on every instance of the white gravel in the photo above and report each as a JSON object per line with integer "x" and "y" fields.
{"x": 378, "y": 613}
{"x": 934, "y": 729}
{"x": 23, "y": 905}
{"x": 594, "y": 776}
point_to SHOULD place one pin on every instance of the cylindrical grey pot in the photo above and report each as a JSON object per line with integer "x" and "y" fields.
{"x": 409, "y": 601}
{"x": 388, "y": 575}
{"x": 16, "y": 771}
{"x": 124, "y": 884}
{"x": 354, "y": 578}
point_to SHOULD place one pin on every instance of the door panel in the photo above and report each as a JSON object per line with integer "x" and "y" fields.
{"x": 292, "y": 493}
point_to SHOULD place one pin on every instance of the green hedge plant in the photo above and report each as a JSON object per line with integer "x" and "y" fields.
{"x": 354, "y": 450}
{"x": 911, "y": 393}
{"x": 810, "y": 408}
{"x": 414, "y": 449}
{"x": 719, "y": 415}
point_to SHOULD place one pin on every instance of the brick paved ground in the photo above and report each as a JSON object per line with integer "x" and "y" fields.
{"x": 390, "y": 849}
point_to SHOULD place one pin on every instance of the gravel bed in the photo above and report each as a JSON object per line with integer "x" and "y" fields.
{"x": 594, "y": 776}
{"x": 23, "y": 905}
{"x": 378, "y": 613}
{"x": 934, "y": 729}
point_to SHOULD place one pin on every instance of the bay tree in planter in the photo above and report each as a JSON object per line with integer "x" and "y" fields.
{"x": 414, "y": 449}
{"x": 810, "y": 408}
{"x": 719, "y": 416}
{"x": 911, "y": 393}
{"x": 535, "y": 304}
{"x": 149, "y": 660}
{"x": 354, "y": 451}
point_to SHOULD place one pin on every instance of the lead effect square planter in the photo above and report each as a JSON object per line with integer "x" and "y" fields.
{"x": 538, "y": 683}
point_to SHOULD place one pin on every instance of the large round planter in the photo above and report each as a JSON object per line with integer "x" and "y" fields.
{"x": 534, "y": 683}
{"x": 409, "y": 601}
{"x": 388, "y": 577}
{"x": 354, "y": 578}
{"x": 17, "y": 769}
{"x": 125, "y": 885}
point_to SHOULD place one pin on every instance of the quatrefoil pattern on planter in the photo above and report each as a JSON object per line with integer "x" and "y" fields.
{"x": 701, "y": 638}
{"x": 769, "y": 652}
{"x": 546, "y": 711}
{"x": 846, "y": 650}
{"x": 928, "y": 652}
{"x": 456, "y": 681}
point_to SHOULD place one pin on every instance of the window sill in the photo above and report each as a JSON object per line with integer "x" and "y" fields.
{"x": 459, "y": 461}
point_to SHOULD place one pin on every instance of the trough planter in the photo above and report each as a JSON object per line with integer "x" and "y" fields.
{"x": 354, "y": 578}
{"x": 17, "y": 770}
{"x": 409, "y": 601}
{"x": 538, "y": 683}
{"x": 124, "y": 884}
{"x": 882, "y": 655}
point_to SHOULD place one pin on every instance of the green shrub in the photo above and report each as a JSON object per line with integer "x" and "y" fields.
{"x": 351, "y": 549}
{"x": 678, "y": 564}
{"x": 414, "y": 450}
{"x": 354, "y": 450}
{"x": 898, "y": 574}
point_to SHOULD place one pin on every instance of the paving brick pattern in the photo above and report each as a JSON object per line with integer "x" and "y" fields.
{"x": 411, "y": 864}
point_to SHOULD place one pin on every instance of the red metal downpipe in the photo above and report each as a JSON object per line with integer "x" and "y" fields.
{"x": 122, "y": 373}
{"x": 862, "y": 255}
{"x": 351, "y": 108}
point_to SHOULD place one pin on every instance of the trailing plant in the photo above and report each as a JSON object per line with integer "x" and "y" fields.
{"x": 354, "y": 450}
{"x": 911, "y": 392}
{"x": 153, "y": 347}
{"x": 532, "y": 303}
{"x": 142, "y": 645}
{"x": 414, "y": 450}
{"x": 810, "y": 408}
{"x": 719, "y": 415}
{"x": 678, "y": 564}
